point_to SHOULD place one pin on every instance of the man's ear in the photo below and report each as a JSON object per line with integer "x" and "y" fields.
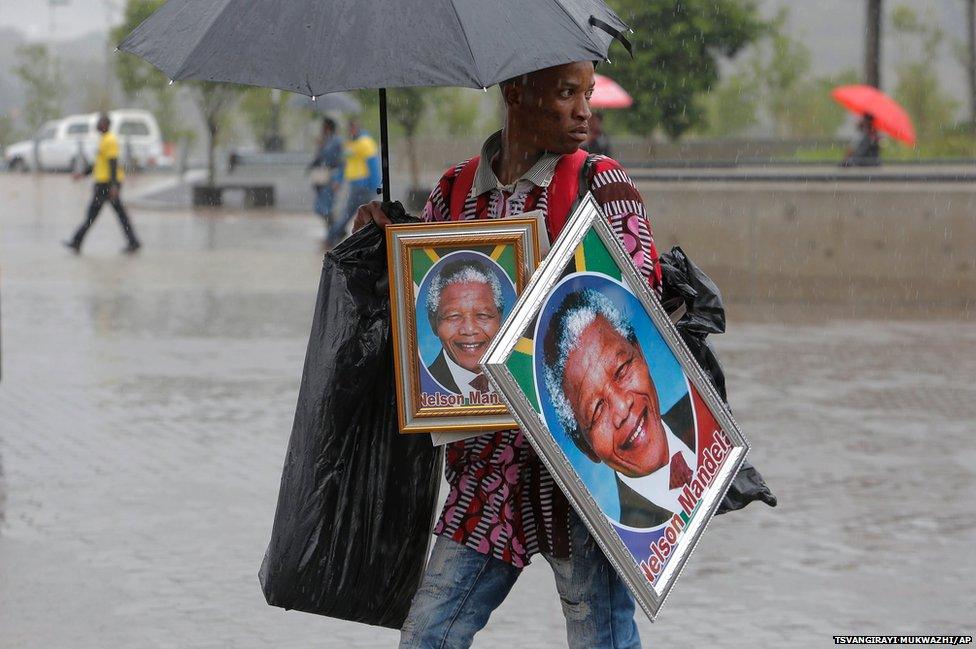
{"x": 513, "y": 92}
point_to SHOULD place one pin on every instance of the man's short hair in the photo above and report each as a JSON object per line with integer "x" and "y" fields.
{"x": 329, "y": 123}
{"x": 522, "y": 78}
{"x": 464, "y": 270}
{"x": 577, "y": 310}
{"x": 104, "y": 117}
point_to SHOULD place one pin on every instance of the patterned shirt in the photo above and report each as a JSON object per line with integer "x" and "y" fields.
{"x": 502, "y": 500}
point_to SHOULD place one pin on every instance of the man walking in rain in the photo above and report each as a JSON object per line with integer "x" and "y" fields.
{"x": 503, "y": 506}
{"x": 108, "y": 176}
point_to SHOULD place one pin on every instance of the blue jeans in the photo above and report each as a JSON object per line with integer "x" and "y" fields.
{"x": 462, "y": 587}
{"x": 358, "y": 195}
{"x": 324, "y": 198}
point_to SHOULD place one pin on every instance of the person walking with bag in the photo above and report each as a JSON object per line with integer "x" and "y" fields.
{"x": 326, "y": 172}
{"x": 108, "y": 175}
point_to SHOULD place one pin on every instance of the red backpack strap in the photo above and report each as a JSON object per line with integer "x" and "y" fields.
{"x": 564, "y": 191}
{"x": 462, "y": 187}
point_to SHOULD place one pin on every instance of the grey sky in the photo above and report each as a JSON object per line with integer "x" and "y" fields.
{"x": 77, "y": 17}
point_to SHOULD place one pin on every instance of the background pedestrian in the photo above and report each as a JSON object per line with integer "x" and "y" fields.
{"x": 326, "y": 172}
{"x": 867, "y": 152}
{"x": 362, "y": 175}
{"x": 598, "y": 143}
{"x": 108, "y": 176}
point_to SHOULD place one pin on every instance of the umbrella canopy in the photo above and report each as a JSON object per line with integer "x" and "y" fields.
{"x": 608, "y": 94}
{"x": 334, "y": 102}
{"x": 314, "y": 47}
{"x": 888, "y": 115}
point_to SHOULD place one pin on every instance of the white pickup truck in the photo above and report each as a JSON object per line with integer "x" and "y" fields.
{"x": 71, "y": 143}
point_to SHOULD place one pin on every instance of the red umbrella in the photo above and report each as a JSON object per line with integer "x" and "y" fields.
{"x": 608, "y": 94}
{"x": 888, "y": 115}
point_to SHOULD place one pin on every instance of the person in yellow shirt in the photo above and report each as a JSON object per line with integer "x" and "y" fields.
{"x": 362, "y": 175}
{"x": 108, "y": 176}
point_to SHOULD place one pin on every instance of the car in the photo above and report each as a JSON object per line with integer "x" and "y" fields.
{"x": 70, "y": 144}
{"x": 59, "y": 145}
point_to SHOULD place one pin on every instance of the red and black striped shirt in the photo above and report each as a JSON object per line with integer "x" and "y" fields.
{"x": 502, "y": 500}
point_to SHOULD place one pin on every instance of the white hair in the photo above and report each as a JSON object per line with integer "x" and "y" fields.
{"x": 466, "y": 270}
{"x": 576, "y": 312}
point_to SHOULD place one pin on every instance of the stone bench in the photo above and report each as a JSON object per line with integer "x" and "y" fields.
{"x": 255, "y": 195}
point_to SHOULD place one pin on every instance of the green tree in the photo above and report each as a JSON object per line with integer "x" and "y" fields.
{"x": 136, "y": 76}
{"x": 457, "y": 111}
{"x": 816, "y": 113}
{"x": 781, "y": 68}
{"x": 212, "y": 100}
{"x": 732, "y": 107}
{"x": 39, "y": 72}
{"x": 405, "y": 109}
{"x": 407, "y": 106}
{"x": 263, "y": 111}
{"x": 7, "y": 131}
{"x": 797, "y": 103}
{"x": 918, "y": 89}
{"x": 970, "y": 60}
{"x": 677, "y": 45}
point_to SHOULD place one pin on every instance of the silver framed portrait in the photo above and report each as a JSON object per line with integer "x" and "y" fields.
{"x": 452, "y": 285}
{"x": 615, "y": 405}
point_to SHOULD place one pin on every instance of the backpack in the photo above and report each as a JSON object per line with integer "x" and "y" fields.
{"x": 570, "y": 183}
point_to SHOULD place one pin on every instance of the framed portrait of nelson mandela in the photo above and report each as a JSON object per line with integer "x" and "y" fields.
{"x": 615, "y": 405}
{"x": 452, "y": 285}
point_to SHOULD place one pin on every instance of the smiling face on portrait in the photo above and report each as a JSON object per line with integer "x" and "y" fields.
{"x": 467, "y": 319}
{"x": 614, "y": 401}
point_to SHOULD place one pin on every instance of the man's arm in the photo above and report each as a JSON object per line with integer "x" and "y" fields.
{"x": 623, "y": 206}
{"x": 317, "y": 161}
{"x": 113, "y": 178}
{"x": 435, "y": 210}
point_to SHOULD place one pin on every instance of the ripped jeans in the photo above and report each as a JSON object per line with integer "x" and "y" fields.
{"x": 462, "y": 587}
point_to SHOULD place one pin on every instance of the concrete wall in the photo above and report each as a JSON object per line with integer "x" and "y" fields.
{"x": 876, "y": 246}
{"x": 908, "y": 246}
{"x": 435, "y": 155}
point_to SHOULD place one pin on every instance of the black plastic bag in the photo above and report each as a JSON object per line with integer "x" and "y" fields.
{"x": 685, "y": 284}
{"x": 357, "y": 499}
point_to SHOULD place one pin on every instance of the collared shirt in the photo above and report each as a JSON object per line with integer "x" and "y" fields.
{"x": 462, "y": 377}
{"x": 539, "y": 175}
{"x": 656, "y": 486}
{"x": 359, "y": 152}
{"x": 502, "y": 500}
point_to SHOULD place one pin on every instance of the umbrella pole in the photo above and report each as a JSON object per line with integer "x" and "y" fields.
{"x": 384, "y": 146}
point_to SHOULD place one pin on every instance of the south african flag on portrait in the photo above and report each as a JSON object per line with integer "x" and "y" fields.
{"x": 423, "y": 259}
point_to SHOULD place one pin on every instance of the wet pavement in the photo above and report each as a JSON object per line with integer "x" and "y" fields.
{"x": 145, "y": 405}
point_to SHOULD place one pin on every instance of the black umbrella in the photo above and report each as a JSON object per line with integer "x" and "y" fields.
{"x": 334, "y": 102}
{"x": 314, "y": 47}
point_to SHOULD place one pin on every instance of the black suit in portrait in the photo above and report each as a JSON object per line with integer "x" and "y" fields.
{"x": 637, "y": 511}
{"x": 442, "y": 373}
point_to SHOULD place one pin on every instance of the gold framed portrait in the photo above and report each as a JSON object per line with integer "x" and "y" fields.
{"x": 452, "y": 285}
